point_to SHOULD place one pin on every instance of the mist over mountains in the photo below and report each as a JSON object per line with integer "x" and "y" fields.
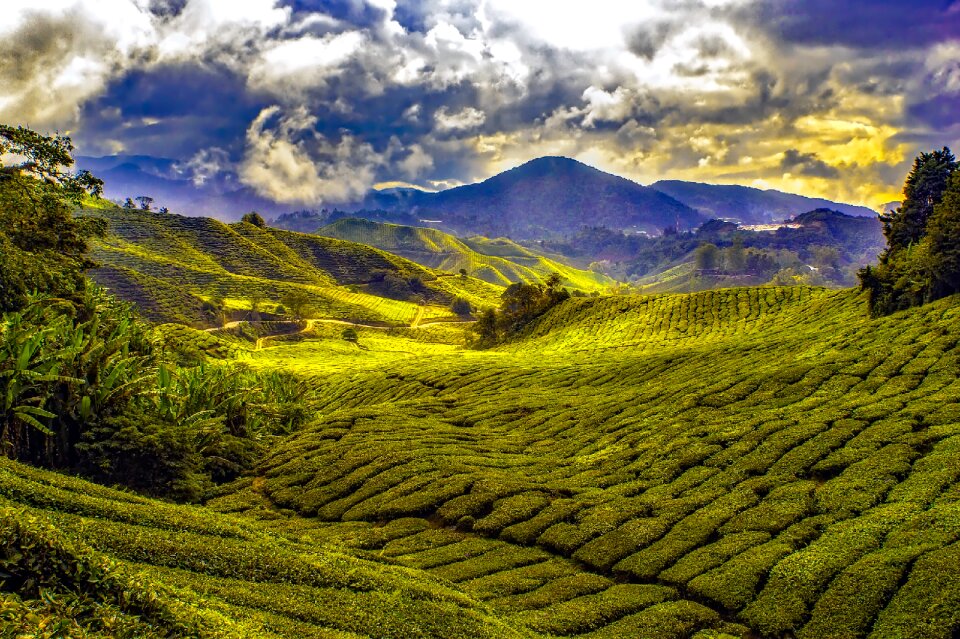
{"x": 543, "y": 198}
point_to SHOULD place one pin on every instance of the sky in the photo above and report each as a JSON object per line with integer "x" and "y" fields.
{"x": 309, "y": 102}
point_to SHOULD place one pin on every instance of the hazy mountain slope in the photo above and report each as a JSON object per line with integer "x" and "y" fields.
{"x": 547, "y": 197}
{"x": 160, "y": 261}
{"x": 172, "y": 184}
{"x": 496, "y": 261}
{"x": 747, "y": 204}
{"x": 766, "y": 457}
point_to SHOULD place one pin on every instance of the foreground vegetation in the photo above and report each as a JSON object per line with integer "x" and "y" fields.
{"x": 746, "y": 462}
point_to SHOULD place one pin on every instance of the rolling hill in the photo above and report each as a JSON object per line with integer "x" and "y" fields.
{"x": 749, "y": 205}
{"x": 169, "y": 264}
{"x": 753, "y": 462}
{"x": 499, "y": 261}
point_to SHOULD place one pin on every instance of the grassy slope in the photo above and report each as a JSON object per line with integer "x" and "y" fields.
{"x": 763, "y": 457}
{"x": 168, "y": 263}
{"x": 745, "y": 460}
{"x": 210, "y": 575}
{"x": 498, "y": 261}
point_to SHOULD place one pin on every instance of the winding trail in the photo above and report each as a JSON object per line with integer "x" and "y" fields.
{"x": 310, "y": 323}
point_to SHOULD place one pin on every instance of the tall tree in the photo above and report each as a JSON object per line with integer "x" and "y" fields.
{"x": 43, "y": 246}
{"x": 943, "y": 233}
{"x": 920, "y": 263}
{"x": 922, "y": 190}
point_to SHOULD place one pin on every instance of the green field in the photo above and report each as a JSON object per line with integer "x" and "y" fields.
{"x": 169, "y": 264}
{"x": 753, "y": 462}
{"x": 498, "y": 261}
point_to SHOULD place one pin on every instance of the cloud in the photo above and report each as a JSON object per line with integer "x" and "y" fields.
{"x": 287, "y": 161}
{"x": 873, "y": 25}
{"x": 463, "y": 120}
{"x": 313, "y": 100}
{"x": 807, "y": 164}
{"x": 303, "y": 64}
{"x": 205, "y": 165}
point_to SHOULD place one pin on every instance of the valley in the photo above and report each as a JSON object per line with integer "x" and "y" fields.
{"x": 684, "y": 465}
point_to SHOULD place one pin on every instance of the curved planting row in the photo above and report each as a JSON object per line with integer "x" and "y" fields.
{"x": 768, "y": 458}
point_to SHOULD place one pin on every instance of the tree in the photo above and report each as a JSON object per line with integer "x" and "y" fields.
{"x": 349, "y": 334}
{"x": 919, "y": 263}
{"x": 944, "y": 238}
{"x": 735, "y": 257}
{"x": 463, "y": 272}
{"x": 922, "y": 190}
{"x": 297, "y": 302}
{"x": 164, "y": 210}
{"x": 254, "y": 218}
{"x": 520, "y": 304}
{"x": 43, "y": 246}
{"x": 461, "y": 306}
{"x": 706, "y": 256}
{"x": 129, "y": 204}
{"x": 146, "y": 202}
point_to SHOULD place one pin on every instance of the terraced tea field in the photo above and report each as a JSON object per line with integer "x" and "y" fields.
{"x": 169, "y": 264}
{"x": 760, "y": 462}
{"x": 763, "y": 461}
{"x": 498, "y": 261}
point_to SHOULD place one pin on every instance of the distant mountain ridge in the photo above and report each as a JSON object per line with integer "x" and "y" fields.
{"x": 546, "y": 197}
{"x": 171, "y": 185}
{"x": 750, "y": 205}
{"x": 543, "y": 198}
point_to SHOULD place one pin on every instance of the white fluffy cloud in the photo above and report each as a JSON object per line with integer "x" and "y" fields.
{"x": 463, "y": 120}
{"x": 288, "y": 161}
{"x": 650, "y": 88}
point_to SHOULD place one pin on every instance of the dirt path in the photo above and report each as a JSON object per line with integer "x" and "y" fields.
{"x": 310, "y": 323}
{"x": 419, "y": 318}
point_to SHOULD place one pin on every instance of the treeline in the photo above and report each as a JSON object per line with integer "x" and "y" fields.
{"x": 837, "y": 245}
{"x": 520, "y": 304}
{"x": 85, "y": 384}
{"x": 921, "y": 262}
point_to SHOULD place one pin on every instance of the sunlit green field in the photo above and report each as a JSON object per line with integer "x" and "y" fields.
{"x": 498, "y": 261}
{"x": 168, "y": 265}
{"x": 759, "y": 462}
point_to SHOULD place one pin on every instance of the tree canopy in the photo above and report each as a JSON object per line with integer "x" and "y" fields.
{"x": 922, "y": 260}
{"x": 43, "y": 246}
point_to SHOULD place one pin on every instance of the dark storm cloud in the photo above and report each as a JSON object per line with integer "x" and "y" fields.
{"x": 807, "y": 164}
{"x": 873, "y": 24}
{"x": 167, "y": 8}
{"x": 940, "y": 113}
{"x": 355, "y": 12}
{"x": 646, "y": 40}
{"x": 185, "y": 107}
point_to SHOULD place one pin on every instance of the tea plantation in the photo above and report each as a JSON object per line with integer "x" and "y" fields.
{"x": 761, "y": 462}
{"x": 500, "y": 261}
{"x": 756, "y": 462}
{"x": 170, "y": 264}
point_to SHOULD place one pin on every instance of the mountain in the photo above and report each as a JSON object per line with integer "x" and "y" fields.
{"x": 546, "y": 197}
{"x": 749, "y": 205}
{"x": 176, "y": 187}
{"x": 499, "y": 261}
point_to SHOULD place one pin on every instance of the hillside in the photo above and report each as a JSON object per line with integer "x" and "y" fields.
{"x": 760, "y": 462}
{"x": 754, "y": 460}
{"x": 547, "y": 197}
{"x": 498, "y": 261}
{"x": 749, "y": 205}
{"x": 169, "y": 264}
